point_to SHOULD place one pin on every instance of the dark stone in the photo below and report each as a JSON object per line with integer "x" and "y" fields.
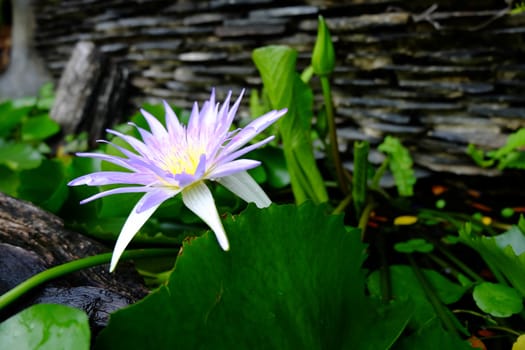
{"x": 249, "y": 30}
{"x": 289, "y": 11}
{"x": 17, "y": 265}
{"x": 97, "y": 302}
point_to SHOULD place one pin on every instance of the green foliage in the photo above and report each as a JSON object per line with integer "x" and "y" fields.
{"x": 46, "y": 185}
{"x": 504, "y": 253}
{"x": 497, "y": 299}
{"x": 518, "y": 8}
{"x": 19, "y": 156}
{"x": 416, "y": 245}
{"x": 400, "y": 163}
{"x": 292, "y": 280}
{"x": 46, "y": 327}
{"x": 511, "y": 155}
{"x": 25, "y": 125}
{"x": 405, "y": 286}
{"x": 431, "y": 336}
{"x": 285, "y": 89}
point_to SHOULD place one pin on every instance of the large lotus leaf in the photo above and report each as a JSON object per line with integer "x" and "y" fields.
{"x": 405, "y": 286}
{"x": 291, "y": 280}
{"x": 46, "y": 327}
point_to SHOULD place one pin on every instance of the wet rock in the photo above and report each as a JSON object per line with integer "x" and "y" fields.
{"x": 98, "y": 303}
{"x": 17, "y": 265}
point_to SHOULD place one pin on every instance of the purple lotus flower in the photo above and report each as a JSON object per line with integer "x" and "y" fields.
{"x": 178, "y": 159}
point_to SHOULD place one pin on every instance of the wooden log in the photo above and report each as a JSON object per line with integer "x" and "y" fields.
{"x": 90, "y": 93}
{"x": 32, "y": 240}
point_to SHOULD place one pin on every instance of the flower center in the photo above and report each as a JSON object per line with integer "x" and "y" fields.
{"x": 177, "y": 162}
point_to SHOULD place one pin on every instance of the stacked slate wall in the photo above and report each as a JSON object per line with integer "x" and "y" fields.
{"x": 438, "y": 74}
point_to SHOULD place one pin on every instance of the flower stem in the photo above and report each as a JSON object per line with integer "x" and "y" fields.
{"x": 332, "y": 134}
{"x": 76, "y": 265}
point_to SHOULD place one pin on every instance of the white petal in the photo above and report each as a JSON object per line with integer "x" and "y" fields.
{"x": 133, "y": 224}
{"x": 244, "y": 186}
{"x": 198, "y": 199}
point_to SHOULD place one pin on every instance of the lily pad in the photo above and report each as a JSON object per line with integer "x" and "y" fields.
{"x": 416, "y": 245}
{"x": 292, "y": 279}
{"x": 46, "y": 327}
{"x": 497, "y": 299}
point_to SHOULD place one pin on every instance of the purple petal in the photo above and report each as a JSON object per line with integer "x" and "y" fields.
{"x": 155, "y": 126}
{"x": 173, "y": 125}
{"x": 138, "y": 163}
{"x": 138, "y": 145}
{"x": 117, "y": 191}
{"x": 253, "y": 129}
{"x": 154, "y": 199}
{"x": 112, "y": 178}
{"x": 108, "y": 158}
{"x": 233, "y": 167}
{"x": 225, "y": 157}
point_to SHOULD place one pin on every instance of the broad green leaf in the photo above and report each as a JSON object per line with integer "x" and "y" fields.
{"x": 405, "y": 286}
{"x": 497, "y": 299}
{"x": 291, "y": 280}
{"x": 46, "y": 327}
{"x": 9, "y": 180}
{"x": 18, "y": 156}
{"x": 39, "y": 128}
{"x": 285, "y": 89}
{"x": 11, "y": 116}
{"x": 400, "y": 163}
{"x": 276, "y": 64}
{"x": 503, "y": 252}
{"x": 45, "y": 186}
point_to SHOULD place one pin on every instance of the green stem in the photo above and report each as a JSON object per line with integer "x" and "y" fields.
{"x": 440, "y": 310}
{"x": 467, "y": 270}
{"x": 343, "y": 204}
{"x": 379, "y": 174}
{"x": 365, "y": 215}
{"x": 76, "y": 265}
{"x": 445, "y": 265}
{"x": 332, "y": 134}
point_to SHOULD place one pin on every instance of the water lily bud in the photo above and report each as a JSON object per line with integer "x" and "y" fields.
{"x": 323, "y": 57}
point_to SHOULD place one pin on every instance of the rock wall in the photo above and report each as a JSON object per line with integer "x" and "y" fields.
{"x": 437, "y": 74}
